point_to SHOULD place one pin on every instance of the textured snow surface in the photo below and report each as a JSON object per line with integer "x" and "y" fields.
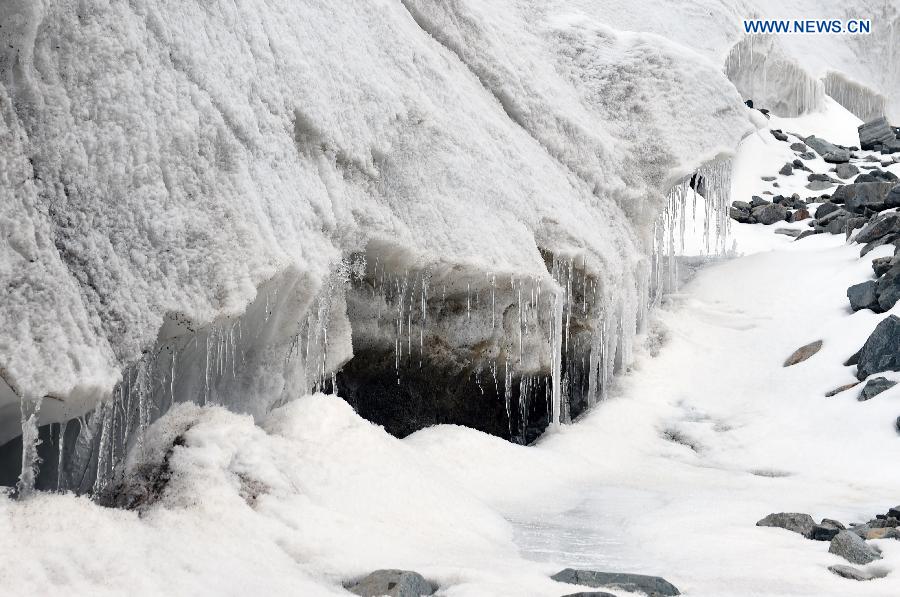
{"x": 163, "y": 160}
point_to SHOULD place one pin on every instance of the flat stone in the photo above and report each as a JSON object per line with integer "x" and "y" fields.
{"x": 819, "y": 185}
{"x": 590, "y": 594}
{"x": 779, "y": 135}
{"x": 881, "y": 351}
{"x": 842, "y": 388}
{"x": 852, "y": 573}
{"x": 651, "y": 585}
{"x": 875, "y": 386}
{"x": 757, "y": 201}
{"x": 798, "y": 147}
{"x": 873, "y": 132}
{"x": 792, "y": 232}
{"x": 853, "y": 548}
{"x": 857, "y": 197}
{"x": 803, "y": 353}
{"x": 862, "y": 296}
{"x": 791, "y": 521}
{"x": 807, "y": 155}
{"x": 846, "y": 170}
{"x": 392, "y": 583}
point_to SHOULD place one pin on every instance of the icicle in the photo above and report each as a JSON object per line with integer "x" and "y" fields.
{"x": 30, "y": 413}
{"x": 556, "y": 358}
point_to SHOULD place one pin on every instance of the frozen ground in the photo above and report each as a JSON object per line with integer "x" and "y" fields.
{"x": 314, "y": 495}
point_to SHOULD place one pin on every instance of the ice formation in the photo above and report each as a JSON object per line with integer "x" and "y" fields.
{"x": 237, "y": 204}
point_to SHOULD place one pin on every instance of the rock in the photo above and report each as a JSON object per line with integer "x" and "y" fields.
{"x": 855, "y": 224}
{"x": 882, "y": 533}
{"x": 835, "y": 222}
{"x": 767, "y": 178}
{"x": 799, "y": 215}
{"x": 846, "y": 170}
{"x": 590, "y": 594}
{"x": 884, "y": 240}
{"x": 739, "y": 215}
{"x": 819, "y": 185}
{"x": 874, "y": 131}
{"x": 887, "y": 288}
{"x": 821, "y": 177}
{"x": 826, "y": 530}
{"x": 842, "y": 388}
{"x": 779, "y": 135}
{"x": 880, "y": 226}
{"x": 862, "y": 296}
{"x": 769, "y": 214}
{"x": 881, "y": 351}
{"x": 875, "y": 386}
{"x": 826, "y": 208}
{"x": 741, "y": 205}
{"x": 798, "y": 147}
{"x": 897, "y": 425}
{"x": 837, "y": 157}
{"x": 806, "y": 234}
{"x": 757, "y": 201}
{"x": 891, "y": 146}
{"x": 853, "y": 548}
{"x": 877, "y": 176}
{"x": 792, "y": 232}
{"x": 894, "y": 512}
{"x": 852, "y": 573}
{"x": 857, "y": 197}
{"x": 807, "y": 155}
{"x": 791, "y": 521}
{"x": 393, "y": 583}
{"x": 786, "y": 170}
{"x": 880, "y": 265}
{"x": 651, "y": 585}
{"x": 893, "y": 198}
{"x": 839, "y": 214}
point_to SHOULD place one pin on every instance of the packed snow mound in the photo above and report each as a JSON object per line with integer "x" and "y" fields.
{"x": 309, "y": 499}
{"x": 164, "y": 161}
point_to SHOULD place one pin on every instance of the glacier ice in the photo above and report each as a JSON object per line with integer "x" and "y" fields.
{"x": 228, "y": 201}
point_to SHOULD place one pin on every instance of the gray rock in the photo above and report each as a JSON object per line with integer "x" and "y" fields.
{"x": 798, "y": 147}
{"x": 819, "y": 185}
{"x": 894, "y": 512}
{"x": 833, "y": 215}
{"x": 881, "y": 265}
{"x": 826, "y": 530}
{"x": 769, "y": 214}
{"x": 822, "y": 177}
{"x": 757, "y": 201}
{"x": 393, "y": 583}
{"x": 875, "y": 386}
{"x": 862, "y": 296}
{"x": 840, "y": 389}
{"x": 654, "y": 586}
{"x": 874, "y": 132}
{"x": 893, "y": 198}
{"x": 590, "y": 594}
{"x": 786, "y": 170}
{"x": 806, "y": 234}
{"x": 741, "y": 205}
{"x": 877, "y": 175}
{"x": 800, "y": 214}
{"x": 791, "y": 521}
{"x": 852, "y": 573}
{"x": 792, "y": 232}
{"x": 779, "y": 135}
{"x": 767, "y": 178}
{"x": 857, "y": 197}
{"x": 807, "y": 155}
{"x": 881, "y": 351}
{"x": 825, "y": 209}
{"x": 881, "y": 225}
{"x": 853, "y": 548}
{"x": 887, "y": 288}
{"x": 891, "y": 146}
{"x": 739, "y": 215}
{"x": 846, "y": 170}
{"x": 884, "y": 240}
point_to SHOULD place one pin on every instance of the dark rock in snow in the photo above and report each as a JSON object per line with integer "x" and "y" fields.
{"x": 880, "y": 226}
{"x": 786, "y": 170}
{"x": 839, "y": 214}
{"x": 798, "y": 147}
{"x": 846, "y": 170}
{"x": 739, "y": 215}
{"x": 888, "y": 288}
{"x": 826, "y": 530}
{"x": 892, "y": 146}
{"x": 590, "y": 594}
{"x": 873, "y": 132}
{"x": 779, "y": 135}
{"x": 877, "y": 176}
{"x": 855, "y": 224}
{"x": 803, "y": 353}
{"x": 792, "y": 232}
{"x": 757, "y": 201}
{"x": 881, "y": 351}
{"x": 807, "y": 155}
{"x": 862, "y": 296}
{"x": 881, "y": 265}
{"x": 894, "y": 512}
{"x": 741, "y": 205}
{"x": 767, "y": 178}
{"x": 821, "y": 177}
{"x": 875, "y": 386}
{"x": 853, "y": 548}
{"x": 807, "y": 233}
{"x": 393, "y": 583}
{"x": 825, "y": 209}
{"x": 819, "y": 185}
{"x": 791, "y": 521}
{"x": 651, "y": 585}
{"x": 884, "y": 240}
{"x": 769, "y": 214}
{"x": 857, "y": 197}
{"x": 799, "y": 165}
{"x": 830, "y": 152}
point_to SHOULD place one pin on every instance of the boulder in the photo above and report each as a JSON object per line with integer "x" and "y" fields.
{"x": 393, "y": 583}
{"x": 739, "y": 215}
{"x": 826, "y": 208}
{"x": 877, "y": 175}
{"x": 881, "y": 351}
{"x": 791, "y": 521}
{"x": 807, "y": 155}
{"x": 757, "y": 201}
{"x": 798, "y": 147}
{"x": 881, "y": 225}
{"x": 880, "y": 265}
{"x": 779, "y": 135}
{"x": 770, "y": 213}
{"x": 826, "y": 530}
{"x": 892, "y": 146}
{"x": 874, "y": 132}
{"x": 830, "y": 152}
{"x": 875, "y": 386}
{"x": 862, "y": 296}
{"x": 633, "y": 583}
{"x": 857, "y": 197}
{"x": 884, "y": 240}
{"x": 786, "y": 170}
{"x": 799, "y": 215}
{"x": 887, "y": 288}
{"x": 882, "y": 533}
{"x": 853, "y": 548}
{"x": 846, "y": 170}
{"x": 741, "y": 205}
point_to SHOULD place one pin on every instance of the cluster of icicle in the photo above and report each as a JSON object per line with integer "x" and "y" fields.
{"x": 856, "y": 98}
{"x": 591, "y": 335}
